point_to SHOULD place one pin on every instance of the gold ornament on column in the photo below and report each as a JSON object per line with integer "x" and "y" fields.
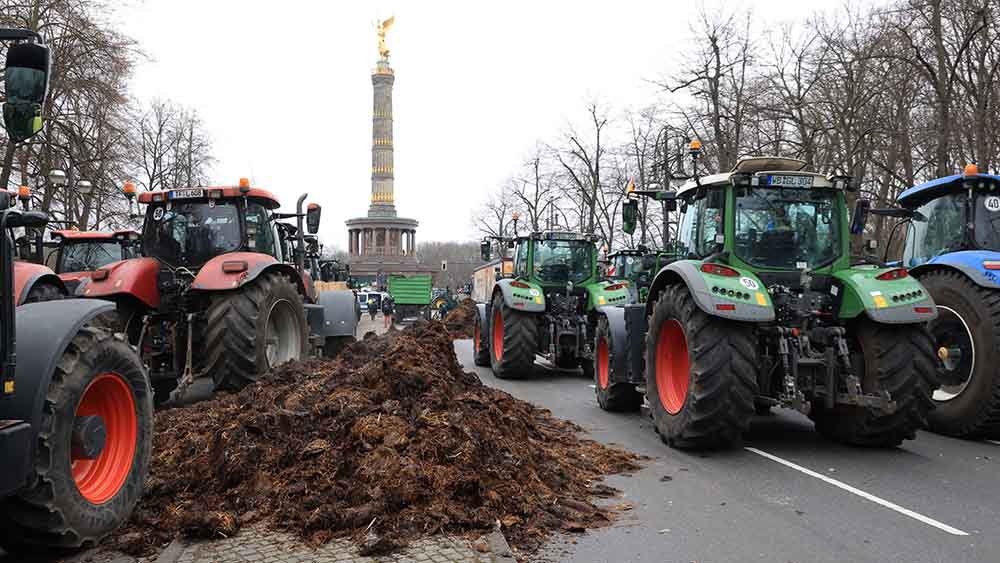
{"x": 383, "y": 27}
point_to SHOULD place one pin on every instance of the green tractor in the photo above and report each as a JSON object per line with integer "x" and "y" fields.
{"x": 547, "y": 307}
{"x": 637, "y": 266}
{"x": 767, "y": 308}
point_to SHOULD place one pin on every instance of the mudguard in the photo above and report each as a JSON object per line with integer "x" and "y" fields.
{"x": 211, "y": 276}
{"x": 718, "y": 296}
{"x": 530, "y": 299}
{"x": 968, "y": 262}
{"x": 599, "y": 295}
{"x": 901, "y": 301}
{"x": 627, "y": 327}
{"x": 336, "y": 314}
{"x": 136, "y": 278}
{"x": 44, "y": 331}
{"x": 27, "y": 275}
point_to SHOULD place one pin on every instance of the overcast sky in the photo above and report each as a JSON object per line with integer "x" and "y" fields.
{"x": 285, "y": 90}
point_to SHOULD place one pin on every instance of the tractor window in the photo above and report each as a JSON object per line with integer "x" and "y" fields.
{"x": 258, "y": 222}
{"x": 987, "y": 227}
{"x": 937, "y": 229}
{"x": 783, "y": 228}
{"x": 88, "y": 256}
{"x": 702, "y": 223}
{"x": 562, "y": 261}
{"x": 521, "y": 259}
{"x": 191, "y": 233}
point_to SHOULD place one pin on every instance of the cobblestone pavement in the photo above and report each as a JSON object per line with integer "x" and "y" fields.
{"x": 264, "y": 546}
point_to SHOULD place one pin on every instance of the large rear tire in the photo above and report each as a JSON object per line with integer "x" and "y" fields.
{"x": 254, "y": 329}
{"x": 968, "y": 330}
{"x": 44, "y": 292}
{"x": 620, "y": 397}
{"x": 480, "y": 346}
{"x": 899, "y": 359}
{"x": 513, "y": 341}
{"x": 701, "y": 373}
{"x": 73, "y": 501}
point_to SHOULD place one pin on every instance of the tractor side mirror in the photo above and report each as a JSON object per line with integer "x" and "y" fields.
{"x": 630, "y": 212}
{"x": 669, "y": 199}
{"x": 860, "y": 216}
{"x": 312, "y": 218}
{"x": 486, "y": 251}
{"x": 27, "y": 219}
{"x": 26, "y": 78}
{"x": 871, "y": 245}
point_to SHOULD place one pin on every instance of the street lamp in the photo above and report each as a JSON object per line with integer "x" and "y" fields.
{"x": 515, "y": 216}
{"x": 85, "y": 187}
{"x": 57, "y": 178}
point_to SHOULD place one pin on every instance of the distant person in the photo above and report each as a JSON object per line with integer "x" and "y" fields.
{"x": 372, "y": 307}
{"x": 388, "y": 309}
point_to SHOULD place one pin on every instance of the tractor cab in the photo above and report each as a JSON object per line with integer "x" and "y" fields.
{"x": 555, "y": 259}
{"x": 951, "y": 214}
{"x": 74, "y": 255}
{"x": 185, "y": 228}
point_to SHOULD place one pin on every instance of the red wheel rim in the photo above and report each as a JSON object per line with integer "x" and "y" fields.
{"x": 602, "y": 362}
{"x": 475, "y": 337}
{"x": 672, "y": 366}
{"x": 498, "y": 335}
{"x": 109, "y": 397}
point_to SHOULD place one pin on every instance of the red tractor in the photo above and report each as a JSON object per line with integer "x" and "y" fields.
{"x": 212, "y": 271}
{"x": 76, "y": 410}
{"x": 74, "y": 255}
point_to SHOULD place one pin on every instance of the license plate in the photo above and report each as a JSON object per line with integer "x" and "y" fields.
{"x": 186, "y": 194}
{"x": 790, "y": 181}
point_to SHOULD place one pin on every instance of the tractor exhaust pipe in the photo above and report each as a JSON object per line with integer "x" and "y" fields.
{"x": 300, "y": 248}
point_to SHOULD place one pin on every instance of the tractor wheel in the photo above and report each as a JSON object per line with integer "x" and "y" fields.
{"x": 44, "y": 292}
{"x": 611, "y": 396}
{"x": 254, "y": 329}
{"x": 334, "y": 345}
{"x": 480, "y": 347}
{"x": 967, "y": 340}
{"x": 899, "y": 359}
{"x": 92, "y": 455}
{"x": 701, "y": 373}
{"x": 513, "y": 341}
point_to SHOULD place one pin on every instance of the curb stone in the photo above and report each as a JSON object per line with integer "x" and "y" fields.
{"x": 172, "y": 553}
{"x": 500, "y": 551}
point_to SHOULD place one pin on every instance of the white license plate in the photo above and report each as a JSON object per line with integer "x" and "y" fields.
{"x": 790, "y": 181}
{"x": 187, "y": 194}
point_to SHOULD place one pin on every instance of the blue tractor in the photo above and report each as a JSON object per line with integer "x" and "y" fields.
{"x": 953, "y": 247}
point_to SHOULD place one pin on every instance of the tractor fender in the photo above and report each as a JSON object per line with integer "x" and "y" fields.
{"x": 44, "y": 331}
{"x": 28, "y": 275}
{"x": 211, "y": 276}
{"x": 627, "y": 326}
{"x": 757, "y": 309}
{"x": 135, "y": 278}
{"x": 530, "y": 299}
{"x": 336, "y": 314}
{"x": 900, "y": 301}
{"x": 968, "y": 262}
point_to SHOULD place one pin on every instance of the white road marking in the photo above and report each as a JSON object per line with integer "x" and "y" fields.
{"x": 867, "y": 496}
{"x": 592, "y": 386}
{"x": 994, "y": 442}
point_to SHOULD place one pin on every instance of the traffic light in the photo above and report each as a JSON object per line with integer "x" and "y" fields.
{"x": 26, "y": 81}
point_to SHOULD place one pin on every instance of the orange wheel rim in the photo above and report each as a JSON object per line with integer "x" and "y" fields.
{"x": 672, "y": 366}
{"x": 498, "y": 335}
{"x": 602, "y": 362}
{"x": 109, "y": 397}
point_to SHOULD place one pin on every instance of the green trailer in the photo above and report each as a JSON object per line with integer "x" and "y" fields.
{"x": 411, "y": 295}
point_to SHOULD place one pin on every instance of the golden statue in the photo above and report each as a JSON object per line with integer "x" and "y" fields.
{"x": 382, "y": 29}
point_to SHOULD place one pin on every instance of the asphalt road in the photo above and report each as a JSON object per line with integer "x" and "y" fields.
{"x": 788, "y": 495}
